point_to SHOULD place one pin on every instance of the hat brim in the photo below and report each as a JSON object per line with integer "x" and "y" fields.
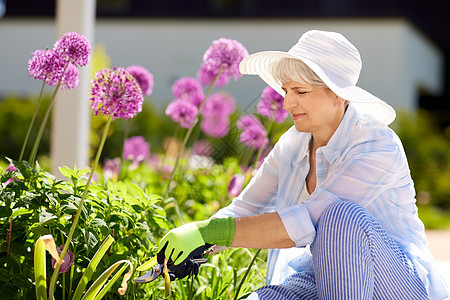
{"x": 363, "y": 101}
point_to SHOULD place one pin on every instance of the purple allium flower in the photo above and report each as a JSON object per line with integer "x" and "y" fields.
{"x": 254, "y": 137}
{"x": 182, "y": 112}
{"x": 143, "y": 77}
{"x": 111, "y": 168}
{"x": 224, "y": 55}
{"x": 136, "y": 149}
{"x": 67, "y": 262}
{"x": 271, "y": 105}
{"x": 219, "y": 104}
{"x": 216, "y": 126}
{"x": 206, "y": 77}
{"x": 188, "y": 89}
{"x": 203, "y": 148}
{"x": 46, "y": 65}
{"x": 235, "y": 186}
{"x": 117, "y": 93}
{"x": 73, "y": 47}
{"x": 70, "y": 77}
{"x": 248, "y": 120}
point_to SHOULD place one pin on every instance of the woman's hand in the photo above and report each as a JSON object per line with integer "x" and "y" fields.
{"x": 179, "y": 243}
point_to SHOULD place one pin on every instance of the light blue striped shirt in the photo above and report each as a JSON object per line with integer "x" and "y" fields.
{"x": 363, "y": 162}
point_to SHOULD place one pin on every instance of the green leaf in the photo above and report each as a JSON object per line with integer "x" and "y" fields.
{"x": 45, "y": 217}
{"x": 90, "y": 240}
{"x": 21, "y": 281}
{"x": 132, "y": 200}
{"x": 148, "y": 264}
{"x": 4, "y": 275}
{"x": 38, "y": 229}
{"x": 20, "y": 211}
{"x": 98, "y": 223}
{"x": 5, "y": 211}
{"x": 40, "y": 275}
{"x": 135, "y": 190}
{"x": 91, "y": 267}
{"x": 94, "y": 289}
{"x": 67, "y": 172}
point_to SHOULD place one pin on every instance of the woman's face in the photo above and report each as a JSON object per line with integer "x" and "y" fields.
{"x": 312, "y": 109}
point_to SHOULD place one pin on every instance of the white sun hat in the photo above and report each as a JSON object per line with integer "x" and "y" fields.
{"x": 334, "y": 59}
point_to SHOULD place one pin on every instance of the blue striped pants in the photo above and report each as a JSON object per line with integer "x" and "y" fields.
{"x": 353, "y": 258}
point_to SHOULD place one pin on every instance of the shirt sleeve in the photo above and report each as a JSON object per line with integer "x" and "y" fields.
{"x": 260, "y": 194}
{"x": 360, "y": 175}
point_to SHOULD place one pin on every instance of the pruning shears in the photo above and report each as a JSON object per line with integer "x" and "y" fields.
{"x": 158, "y": 270}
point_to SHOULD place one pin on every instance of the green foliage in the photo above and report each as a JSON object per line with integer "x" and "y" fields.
{"x": 15, "y": 117}
{"x": 37, "y": 204}
{"x": 217, "y": 279}
{"x": 427, "y": 150}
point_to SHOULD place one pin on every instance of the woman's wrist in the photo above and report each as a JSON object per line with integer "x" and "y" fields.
{"x": 217, "y": 231}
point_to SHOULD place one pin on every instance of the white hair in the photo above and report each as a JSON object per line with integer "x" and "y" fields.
{"x": 287, "y": 69}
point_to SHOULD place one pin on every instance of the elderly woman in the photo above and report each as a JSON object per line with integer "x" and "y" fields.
{"x": 334, "y": 200}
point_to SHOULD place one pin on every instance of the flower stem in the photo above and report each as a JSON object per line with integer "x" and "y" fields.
{"x": 166, "y": 148}
{"x": 261, "y": 148}
{"x": 77, "y": 216}
{"x": 191, "y": 285}
{"x": 186, "y": 138}
{"x": 32, "y": 122}
{"x": 246, "y": 274}
{"x": 32, "y": 158}
{"x": 125, "y": 135}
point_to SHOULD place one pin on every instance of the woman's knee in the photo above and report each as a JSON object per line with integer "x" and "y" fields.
{"x": 343, "y": 213}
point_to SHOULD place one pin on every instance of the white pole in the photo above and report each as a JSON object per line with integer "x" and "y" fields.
{"x": 71, "y": 121}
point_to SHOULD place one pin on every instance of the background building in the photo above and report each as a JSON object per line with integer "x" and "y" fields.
{"x": 403, "y": 44}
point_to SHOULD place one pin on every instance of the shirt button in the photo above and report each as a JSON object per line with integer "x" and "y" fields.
{"x": 319, "y": 160}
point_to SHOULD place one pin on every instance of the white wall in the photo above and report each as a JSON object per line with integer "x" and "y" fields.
{"x": 396, "y": 57}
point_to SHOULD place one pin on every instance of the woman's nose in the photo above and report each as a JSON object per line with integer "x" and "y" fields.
{"x": 288, "y": 102}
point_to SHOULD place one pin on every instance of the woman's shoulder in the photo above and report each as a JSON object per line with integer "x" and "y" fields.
{"x": 370, "y": 131}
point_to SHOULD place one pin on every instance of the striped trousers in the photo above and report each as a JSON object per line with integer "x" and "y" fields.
{"x": 353, "y": 258}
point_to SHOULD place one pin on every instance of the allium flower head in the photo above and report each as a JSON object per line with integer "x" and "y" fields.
{"x": 67, "y": 262}
{"x": 224, "y": 55}
{"x": 271, "y": 105}
{"x": 117, "y": 93}
{"x": 136, "y": 149}
{"x": 70, "y": 77}
{"x": 202, "y": 148}
{"x": 206, "y": 77}
{"x": 254, "y": 137}
{"x": 46, "y": 65}
{"x": 182, "y": 112}
{"x": 216, "y": 126}
{"x": 219, "y": 104}
{"x": 247, "y": 121}
{"x": 188, "y": 89}
{"x": 73, "y": 47}
{"x": 143, "y": 77}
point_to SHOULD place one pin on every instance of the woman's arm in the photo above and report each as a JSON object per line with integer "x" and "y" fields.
{"x": 261, "y": 232}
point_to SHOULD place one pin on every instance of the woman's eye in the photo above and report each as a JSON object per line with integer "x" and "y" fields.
{"x": 301, "y": 93}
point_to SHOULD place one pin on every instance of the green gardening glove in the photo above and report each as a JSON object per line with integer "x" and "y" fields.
{"x": 178, "y": 244}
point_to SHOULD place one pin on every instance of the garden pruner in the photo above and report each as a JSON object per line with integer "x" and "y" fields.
{"x": 158, "y": 269}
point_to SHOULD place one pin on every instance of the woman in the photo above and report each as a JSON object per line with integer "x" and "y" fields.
{"x": 334, "y": 200}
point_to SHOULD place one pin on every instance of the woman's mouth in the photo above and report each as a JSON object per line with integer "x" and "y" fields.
{"x": 297, "y": 116}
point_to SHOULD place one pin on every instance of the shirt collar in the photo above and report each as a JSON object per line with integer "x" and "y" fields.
{"x": 341, "y": 137}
